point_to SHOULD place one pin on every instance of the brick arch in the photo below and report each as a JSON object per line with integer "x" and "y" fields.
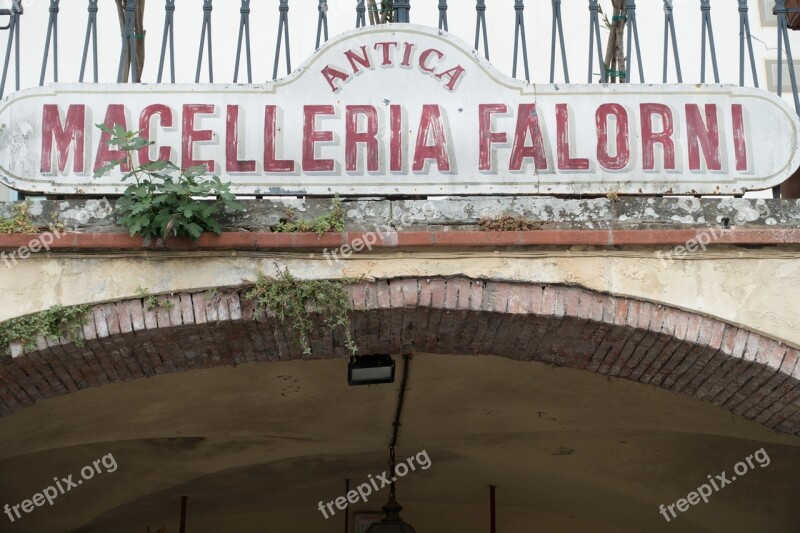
{"x": 742, "y": 371}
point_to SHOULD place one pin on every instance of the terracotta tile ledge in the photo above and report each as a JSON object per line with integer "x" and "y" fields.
{"x": 411, "y": 239}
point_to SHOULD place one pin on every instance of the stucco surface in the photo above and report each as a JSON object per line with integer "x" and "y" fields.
{"x": 756, "y": 288}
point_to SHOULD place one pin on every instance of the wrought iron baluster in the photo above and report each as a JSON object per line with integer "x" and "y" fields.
{"x": 633, "y": 37}
{"x": 205, "y": 36}
{"x": 402, "y": 10}
{"x": 169, "y": 11}
{"x": 283, "y": 32}
{"x": 322, "y": 23}
{"x": 708, "y": 32}
{"x": 52, "y": 36}
{"x": 13, "y": 42}
{"x": 594, "y": 38}
{"x": 91, "y": 34}
{"x": 480, "y": 28}
{"x": 669, "y": 31}
{"x": 443, "y": 15}
{"x": 519, "y": 8}
{"x": 128, "y": 48}
{"x": 745, "y": 38}
{"x": 783, "y": 39}
{"x": 558, "y": 29}
{"x": 360, "y": 11}
{"x": 244, "y": 35}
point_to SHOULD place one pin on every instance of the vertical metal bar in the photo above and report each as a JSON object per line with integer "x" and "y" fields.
{"x": 283, "y": 32}
{"x": 633, "y": 37}
{"x": 182, "y": 526}
{"x": 669, "y": 31}
{"x": 206, "y": 32}
{"x": 128, "y": 37}
{"x": 360, "y": 10}
{"x": 131, "y": 10}
{"x": 480, "y": 28}
{"x": 13, "y": 41}
{"x": 708, "y": 30}
{"x": 322, "y": 23}
{"x": 52, "y": 36}
{"x": 402, "y": 9}
{"x": 745, "y": 38}
{"x": 91, "y": 34}
{"x": 443, "y": 15}
{"x": 244, "y": 34}
{"x": 492, "y": 509}
{"x": 783, "y": 39}
{"x": 169, "y": 11}
{"x": 18, "y": 12}
{"x": 594, "y": 38}
{"x": 519, "y": 8}
{"x": 347, "y": 510}
{"x": 557, "y": 28}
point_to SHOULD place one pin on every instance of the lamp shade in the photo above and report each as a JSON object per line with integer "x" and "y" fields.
{"x": 371, "y": 370}
{"x": 391, "y": 523}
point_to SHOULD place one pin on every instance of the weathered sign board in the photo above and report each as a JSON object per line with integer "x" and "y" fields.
{"x": 404, "y": 109}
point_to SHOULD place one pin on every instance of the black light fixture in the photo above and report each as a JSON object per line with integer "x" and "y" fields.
{"x": 392, "y": 523}
{"x": 370, "y": 370}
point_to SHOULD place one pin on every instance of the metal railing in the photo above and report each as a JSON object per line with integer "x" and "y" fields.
{"x": 11, "y": 19}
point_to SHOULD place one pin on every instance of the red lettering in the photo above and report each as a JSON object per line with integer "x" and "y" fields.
{"x": 431, "y": 123}
{"x": 270, "y": 133}
{"x": 407, "y": 51}
{"x": 70, "y": 134}
{"x": 232, "y": 162}
{"x": 355, "y": 60}
{"x": 115, "y": 115}
{"x": 332, "y": 74}
{"x": 353, "y": 137}
{"x": 396, "y": 138}
{"x": 165, "y": 117}
{"x": 528, "y": 123}
{"x": 454, "y": 74}
{"x": 699, "y": 135}
{"x": 311, "y": 136}
{"x": 565, "y": 161}
{"x": 739, "y": 138}
{"x": 486, "y": 136}
{"x": 386, "y": 46}
{"x": 651, "y": 138}
{"x": 423, "y": 60}
{"x": 191, "y": 136}
{"x": 622, "y": 152}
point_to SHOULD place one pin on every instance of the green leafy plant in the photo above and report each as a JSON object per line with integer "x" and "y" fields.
{"x": 20, "y": 222}
{"x": 163, "y": 201}
{"x": 331, "y": 222}
{"x": 56, "y": 322}
{"x": 151, "y": 300}
{"x": 291, "y": 300}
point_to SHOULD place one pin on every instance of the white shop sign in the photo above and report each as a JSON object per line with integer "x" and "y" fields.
{"x": 404, "y": 109}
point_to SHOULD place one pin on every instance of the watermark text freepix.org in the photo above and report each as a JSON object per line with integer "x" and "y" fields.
{"x": 94, "y": 209}
{"x": 380, "y": 232}
{"x": 364, "y": 490}
{"x": 717, "y": 482}
{"x": 62, "y": 486}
